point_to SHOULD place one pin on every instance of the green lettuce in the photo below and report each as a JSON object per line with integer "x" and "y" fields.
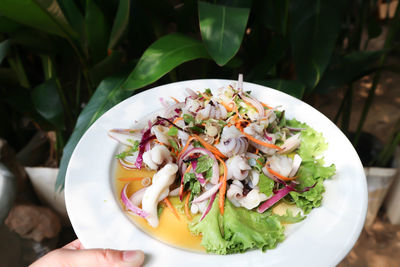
{"x": 238, "y": 230}
{"x": 312, "y": 171}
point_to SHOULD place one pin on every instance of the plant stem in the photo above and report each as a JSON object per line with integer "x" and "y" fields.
{"x": 347, "y": 110}
{"x": 67, "y": 109}
{"x": 393, "y": 29}
{"x": 388, "y": 150}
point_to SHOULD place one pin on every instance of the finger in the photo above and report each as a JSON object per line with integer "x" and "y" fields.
{"x": 76, "y": 244}
{"x": 97, "y": 258}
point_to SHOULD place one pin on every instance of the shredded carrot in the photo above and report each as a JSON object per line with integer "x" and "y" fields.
{"x": 248, "y": 103}
{"x": 169, "y": 205}
{"x": 177, "y": 119}
{"x": 187, "y": 212}
{"x": 186, "y": 146}
{"x": 229, "y": 107}
{"x": 265, "y": 105}
{"x": 280, "y": 176}
{"x": 161, "y": 143}
{"x": 256, "y": 150}
{"x": 131, "y": 178}
{"x": 209, "y": 147}
{"x": 176, "y": 100}
{"x": 255, "y": 140}
{"x": 222, "y": 188}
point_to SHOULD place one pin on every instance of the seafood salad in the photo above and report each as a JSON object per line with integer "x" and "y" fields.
{"x": 228, "y": 161}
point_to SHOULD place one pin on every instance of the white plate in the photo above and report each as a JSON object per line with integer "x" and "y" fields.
{"x": 322, "y": 239}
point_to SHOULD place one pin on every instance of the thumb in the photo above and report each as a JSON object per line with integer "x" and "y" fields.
{"x": 96, "y": 258}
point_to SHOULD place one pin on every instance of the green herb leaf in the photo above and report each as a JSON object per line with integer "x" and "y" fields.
{"x": 173, "y": 144}
{"x": 130, "y": 151}
{"x": 204, "y": 163}
{"x": 191, "y": 183}
{"x": 265, "y": 184}
{"x": 173, "y": 131}
{"x": 209, "y": 174}
{"x": 196, "y": 129}
{"x": 188, "y": 118}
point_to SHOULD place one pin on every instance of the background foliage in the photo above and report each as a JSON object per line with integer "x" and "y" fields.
{"x": 63, "y": 63}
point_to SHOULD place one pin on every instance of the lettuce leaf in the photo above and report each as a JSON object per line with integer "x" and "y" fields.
{"x": 312, "y": 171}
{"x": 238, "y": 230}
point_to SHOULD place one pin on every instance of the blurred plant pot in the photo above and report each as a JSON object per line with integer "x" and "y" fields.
{"x": 43, "y": 180}
{"x": 393, "y": 199}
{"x": 7, "y": 191}
{"x": 379, "y": 181}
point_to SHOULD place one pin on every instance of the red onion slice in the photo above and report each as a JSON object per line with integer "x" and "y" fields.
{"x": 137, "y": 197}
{"x": 275, "y": 198}
{"x": 215, "y": 169}
{"x": 207, "y": 194}
{"x": 255, "y": 103}
{"x": 129, "y": 205}
{"x": 208, "y": 207}
{"x": 127, "y": 165}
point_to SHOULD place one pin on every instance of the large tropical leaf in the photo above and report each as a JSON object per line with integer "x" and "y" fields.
{"x": 293, "y": 88}
{"x": 4, "y": 47}
{"x": 222, "y": 29}
{"x": 7, "y": 25}
{"x": 315, "y": 25}
{"x": 120, "y": 23}
{"x": 160, "y": 58}
{"x": 97, "y": 31}
{"x": 47, "y": 102}
{"x": 348, "y": 68}
{"x": 273, "y": 14}
{"x": 45, "y": 15}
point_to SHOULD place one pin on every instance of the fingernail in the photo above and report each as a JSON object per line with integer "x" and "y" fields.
{"x": 132, "y": 255}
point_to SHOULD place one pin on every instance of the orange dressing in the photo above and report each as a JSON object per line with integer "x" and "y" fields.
{"x": 170, "y": 230}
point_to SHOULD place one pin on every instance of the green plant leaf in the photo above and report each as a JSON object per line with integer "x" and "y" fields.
{"x": 45, "y": 15}
{"x": 159, "y": 58}
{"x": 8, "y": 77}
{"x": 293, "y": 88}
{"x": 348, "y": 68}
{"x": 110, "y": 65}
{"x": 18, "y": 67}
{"x": 273, "y": 14}
{"x": 315, "y": 25}
{"x": 120, "y": 23}
{"x": 97, "y": 31}
{"x": 75, "y": 19}
{"x": 47, "y": 102}
{"x": 36, "y": 41}
{"x": 7, "y": 25}
{"x": 162, "y": 56}
{"x": 222, "y": 29}
{"x": 4, "y": 47}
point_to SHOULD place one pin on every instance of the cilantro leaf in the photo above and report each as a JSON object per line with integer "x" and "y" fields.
{"x": 265, "y": 184}
{"x": 173, "y": 144}
{"x": 173, "y": 131}
{"x": 203, "y": 164}
{"x": 191, "y": 183}
{"x": 188, "y": 118}
{"x": 130, "y": 151}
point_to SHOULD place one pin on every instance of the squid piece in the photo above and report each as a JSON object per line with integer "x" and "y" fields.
{"x": 160, "y": 186}
{"x": 252, "y": 199}
{"x": 157, "y": 156}
{"x": 235, "y": 192}
{"x": 232, "y": 142}
{"x": 238, "y": 168}
{"x": 161, "y": 132}
{"x": 257, "y": 131}
{"x": 212, "y": 111}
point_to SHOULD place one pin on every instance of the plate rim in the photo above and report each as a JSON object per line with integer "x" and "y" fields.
{"x": 357, "y": 228}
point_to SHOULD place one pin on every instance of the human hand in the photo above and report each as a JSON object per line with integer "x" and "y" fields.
{"x": 74, "y": 254}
